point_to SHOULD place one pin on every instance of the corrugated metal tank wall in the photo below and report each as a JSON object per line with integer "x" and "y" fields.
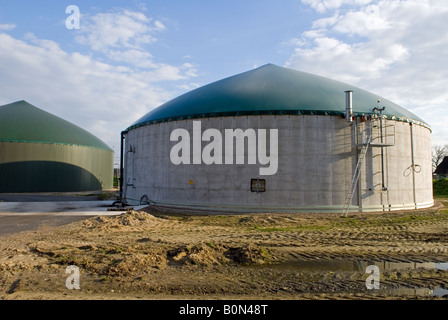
{"x": 317, "y": 158}
{"x": 398, "y": 173}
{"x": 46, "y": 167}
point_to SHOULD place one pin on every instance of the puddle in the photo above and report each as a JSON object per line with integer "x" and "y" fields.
{"x": 441, "y": 266}
{"x": 403, "y": 291}
{"x": 439, "y": 292}
{"x": 350, "y": 266}
{"x": 360, "y": 266}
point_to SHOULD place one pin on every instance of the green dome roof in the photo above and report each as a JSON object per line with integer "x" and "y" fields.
{"x": 271, "y": 89}
{"x": 23, "y": 122}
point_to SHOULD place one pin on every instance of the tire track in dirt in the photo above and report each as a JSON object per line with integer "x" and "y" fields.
{"x": 196, "y": 255}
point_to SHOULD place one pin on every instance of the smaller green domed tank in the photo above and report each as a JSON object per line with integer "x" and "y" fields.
{"x": 40, "y": 152}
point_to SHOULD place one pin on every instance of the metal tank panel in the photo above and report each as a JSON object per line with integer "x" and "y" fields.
{"x": 272, "y": 90}
{"x": 315, "y": 166}
{"x": 318, "y": 146}
{"x": 39, "y": 167}
{"x": 40, "y": 152}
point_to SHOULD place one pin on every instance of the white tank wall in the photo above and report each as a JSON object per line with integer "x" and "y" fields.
{"x": 398, "y": 172}
{"x": 315, "y": 166}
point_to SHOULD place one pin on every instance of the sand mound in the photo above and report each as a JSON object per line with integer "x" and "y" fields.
{"x": 201, "y": 254}
{"x": 249, "y": 255}
{"x": 137, "y": 220}
{"x": 137, "y": 263}
{"x": 209, "y": 254}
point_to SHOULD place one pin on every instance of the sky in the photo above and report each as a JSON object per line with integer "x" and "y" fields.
{"x": 129, "y": 57}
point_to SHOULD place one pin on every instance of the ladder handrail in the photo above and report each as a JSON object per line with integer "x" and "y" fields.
{"x": 357, "y": 172}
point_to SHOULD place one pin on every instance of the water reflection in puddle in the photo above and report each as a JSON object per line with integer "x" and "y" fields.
{"x": 336, "y": 265}
{"x": 439, "y": 292}
{"x": 405, "y": 291}
{"x": 441, "y": 266}
{"x": 360, "y": 266}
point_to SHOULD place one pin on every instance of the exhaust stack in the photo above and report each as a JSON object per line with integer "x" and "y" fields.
{"x": 349, "y": 106}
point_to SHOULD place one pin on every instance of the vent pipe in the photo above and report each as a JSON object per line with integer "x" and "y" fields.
{"x": 349, "y": 106}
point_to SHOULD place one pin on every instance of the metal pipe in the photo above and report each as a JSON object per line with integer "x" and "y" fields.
{"x": 380, "y": 110}
{"x": 123, "y": 133}
{"x": 357, "y": 123}
{"x": 349, "y": 106}
{"x": 413, "y": 165}
{"x": 382, "y": 155}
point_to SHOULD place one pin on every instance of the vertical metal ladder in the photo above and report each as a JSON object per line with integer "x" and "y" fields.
{"x": 355, "y": 178}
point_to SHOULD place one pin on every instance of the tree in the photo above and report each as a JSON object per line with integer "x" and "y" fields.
{"x": 438, "y": 153}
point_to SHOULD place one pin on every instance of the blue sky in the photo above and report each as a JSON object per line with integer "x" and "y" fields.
{"x": 223, "y": 37}
{"x": 131, "y": 56}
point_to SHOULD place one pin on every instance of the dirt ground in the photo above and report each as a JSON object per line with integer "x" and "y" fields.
{"x": 155, "y": 255}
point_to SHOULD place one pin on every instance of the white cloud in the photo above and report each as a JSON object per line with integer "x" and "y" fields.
{"x": 137, "y": 58}
{"x": 189, "y": 87}
{"x": 394, "y": 48}
{"x": 122, "y": 36}
{"x": 100, "y": 97}
{"x": 159, "y": 25}
{"x": 125, "y": 37}
{"x": 325, "y": 5}
{"x": 165, "y": 72}
{"x": 362, "y": 22}
{"x": 124, "y": 29}
{"x": 189, "y": 70}
{"x": 6, "y": 27}
{"x": 104, "y": 91}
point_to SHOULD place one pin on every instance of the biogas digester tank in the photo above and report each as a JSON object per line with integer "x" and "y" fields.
{"x": 278, "y": 140}
{"x": 40, "y": 152}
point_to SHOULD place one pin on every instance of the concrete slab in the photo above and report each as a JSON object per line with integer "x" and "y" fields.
{"x": 63, "y": 208}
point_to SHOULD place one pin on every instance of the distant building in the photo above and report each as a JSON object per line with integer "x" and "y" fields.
{"x": 40, "y": 152}
{"x": 442, "y": 169}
